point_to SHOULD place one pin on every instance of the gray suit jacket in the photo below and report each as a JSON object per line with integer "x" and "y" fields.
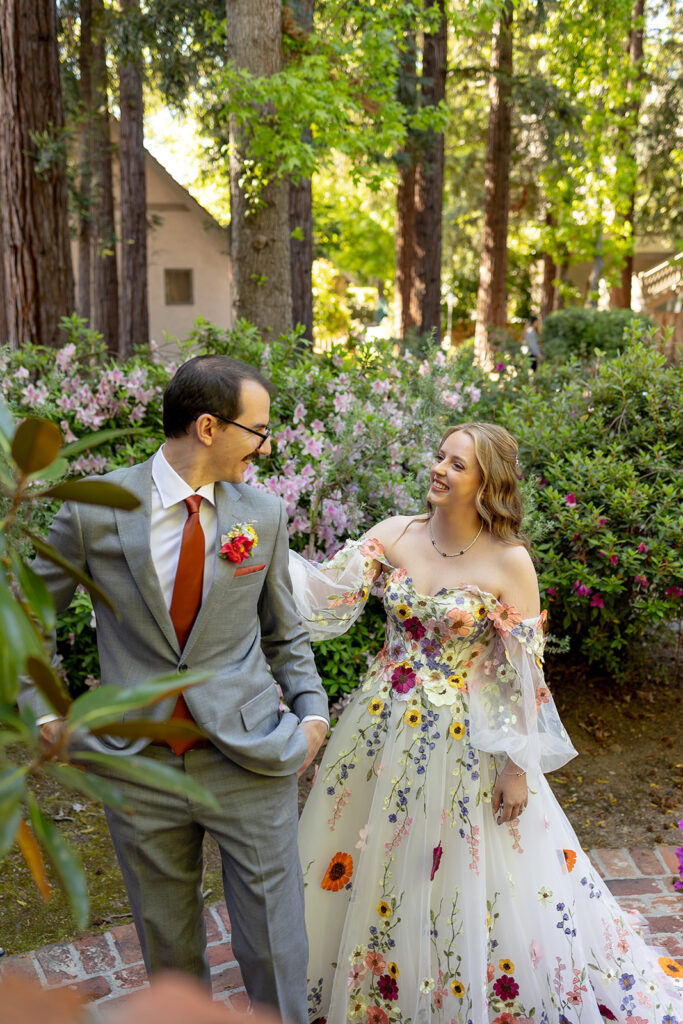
{"x": 247, "y": 634}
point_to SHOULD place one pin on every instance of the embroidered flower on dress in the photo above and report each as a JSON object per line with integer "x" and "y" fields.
{"x": 238, "y": 544}
{"x": 413, "y": 717}
{"x": 388, "y": 987}
{"x": 506, "y": 966}
{"x": 670, "y": 967}
{"x": 372, "y": 548}
{"x": 457, "y": 730}
{"x": 375, "y": 706}
{"x": 457, "y": 988}
{"x": 384, "y": 909}
{"x": 338, "y": 873}
{"x": 569, "y": 859}
{"x": 393, "y": 970}
{"x": 427, "y": 986}
{"x": 462, "y": 621}
{"x": 375, "y": 962}
{"x": 506, "y": 987}
{"x": 544, "y": 895}
{"x": 504, "y": 617}
{"x": 403, "y": 678}
{"x": 437, "y": 854}
{"x": 376, "y": 1015}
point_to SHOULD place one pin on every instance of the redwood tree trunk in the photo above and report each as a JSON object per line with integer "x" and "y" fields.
{"x": 106, "y": 284}
{"x": 36, "y": 259}
{"x": 261, "y": 263}
{"x": 549, "y": 276}
{"x": 85, "y": 162}
{"x": 405, "y": 195}
{"x": 491, "y": 298}
{"x": 299, "y": 24}
{"x": 134, "y": 317}
{"x": 426, "y": 299}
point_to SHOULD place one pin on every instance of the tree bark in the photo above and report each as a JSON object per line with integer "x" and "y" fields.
{"x": 261, "y": 262}
{"x": 549, "y": 276}
{"x": 405, "y": 194}
{"x": 36, "y": 258}
{"x": 105, "y": 274}
{"x": 85, "y": 162}
{"x": 492, "y": 298}
{"x": 134, "y": 315}
{"x": 426, "y": 297}
{"x": 298, "y": 23}
{"x": 622, "y": 297}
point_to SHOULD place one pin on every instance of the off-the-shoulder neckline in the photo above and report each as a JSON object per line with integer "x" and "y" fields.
{"x": 443, "y": 590}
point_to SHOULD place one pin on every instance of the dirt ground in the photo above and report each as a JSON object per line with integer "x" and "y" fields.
{"x": 624, "y": 789}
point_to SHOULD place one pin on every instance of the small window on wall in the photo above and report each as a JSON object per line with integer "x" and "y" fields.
{"x": 178, "y": 287}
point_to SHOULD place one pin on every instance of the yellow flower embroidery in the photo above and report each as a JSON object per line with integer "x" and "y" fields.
{"x": 376, "y": 706}
{"x": 403, "y": 611}
{"x": 392, "y": 969}
{"x": 384, "y": 909}
{"x": 506, "y": 966}
{"x": 457, "y": 988}
{"x": 413, "y": 717}
{"x": 457, "y": 730}
{"x": 457, "y": 681}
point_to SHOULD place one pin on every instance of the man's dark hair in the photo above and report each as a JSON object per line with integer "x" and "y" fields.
{"x": 206, "y": 384}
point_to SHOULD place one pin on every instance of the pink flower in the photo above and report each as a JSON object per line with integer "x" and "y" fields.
{"x": 490, "y": 972}
{"x": 504, "y": 1018}
{"x": 504, "y": 617}
{"x": 437, "y": 853}
{"x": 674, "y": 592}
{"x": 535, "y": 953}
{"x": 376, "y": 962}
{"x": 499, "y": 367}
{"x": 570, "y": 499}
{"x": 551, "y": 591}
{"x": 462, "y": 621}
{"x": 574, "y": 998}
{"x": 376, "y": 1015}
{"x": 237, "y": 549}
{"x": 371, "y": 548}
{"x": 597, "y": 601}
{"x": 642, "y": 580}
{"x": 399, "y": 575}
{"x": 299, "y": 413}
{"x": 582, "y": 589}
{"x": 356, "y": 975}
{"x": 601, "y": 521}
{"x": 613, "y": 559}
{"x": 642, "y": 548}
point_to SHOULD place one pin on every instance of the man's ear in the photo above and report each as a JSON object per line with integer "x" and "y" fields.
{"x": 206, "y": 427}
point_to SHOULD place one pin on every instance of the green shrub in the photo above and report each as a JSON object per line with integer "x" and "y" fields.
{"x": 603, "y": 458}
{"x": 578, "y": 332}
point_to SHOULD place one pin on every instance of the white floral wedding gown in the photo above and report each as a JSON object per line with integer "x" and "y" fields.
{"x": 420, "y": 907}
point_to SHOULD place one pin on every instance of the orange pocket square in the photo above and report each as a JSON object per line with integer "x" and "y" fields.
{"x": 244, "y": 570}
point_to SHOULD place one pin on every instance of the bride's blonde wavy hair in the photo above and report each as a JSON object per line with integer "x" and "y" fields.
{"x": 498, "y": 500}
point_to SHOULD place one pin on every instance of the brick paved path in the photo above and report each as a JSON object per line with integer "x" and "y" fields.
{"x": 107, "y": 968}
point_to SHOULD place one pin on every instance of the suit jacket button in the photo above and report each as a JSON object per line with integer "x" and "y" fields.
{"x": 182, "y": 668}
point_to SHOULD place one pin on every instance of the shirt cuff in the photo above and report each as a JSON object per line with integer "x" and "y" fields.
{"x": 44, "y": 719}
{"x": 314, "y": 718}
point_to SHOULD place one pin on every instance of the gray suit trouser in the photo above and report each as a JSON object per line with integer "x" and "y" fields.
{"x": 160, "y": 852}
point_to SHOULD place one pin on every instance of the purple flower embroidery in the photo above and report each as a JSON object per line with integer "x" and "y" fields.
{"x": 627, "y": 981}
{"x": 506, "y": 987}
{"x": 414, "y": 628}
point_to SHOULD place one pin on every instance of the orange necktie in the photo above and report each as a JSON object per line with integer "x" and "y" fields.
{"x": 187, "y": 599}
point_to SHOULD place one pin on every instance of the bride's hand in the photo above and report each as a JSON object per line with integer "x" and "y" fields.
{"x": 510, "y": 794}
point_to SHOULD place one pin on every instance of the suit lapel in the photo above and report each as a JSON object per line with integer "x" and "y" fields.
{"x": 134, "y": 536}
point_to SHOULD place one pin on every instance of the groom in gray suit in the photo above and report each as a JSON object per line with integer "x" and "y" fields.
{"x": 199, "y": 577}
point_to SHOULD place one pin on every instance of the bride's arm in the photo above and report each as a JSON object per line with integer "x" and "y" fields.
{"x": 520, "y": 589}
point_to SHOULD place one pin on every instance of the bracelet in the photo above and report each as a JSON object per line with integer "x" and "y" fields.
{"x": 518, "y": 774}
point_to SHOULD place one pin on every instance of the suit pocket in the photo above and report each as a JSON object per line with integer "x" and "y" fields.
{"x": 246, "y": 570}
{"x": 264, "y": 705}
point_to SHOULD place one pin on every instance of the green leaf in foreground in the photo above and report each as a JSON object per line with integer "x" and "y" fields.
{"x": 34, "y": 590}
{"x": 94, "y": 492}
{"x": 36, "y": 444}
{"x": 66, "y": 862}
{"x": 10, "y": 816}
{"x": 49, "y": 684}
{"x": 47, "y": 551}
{"x": 107, "y": 704}
{"x": 91, "y": 786}
{"x": 146, "y": 772}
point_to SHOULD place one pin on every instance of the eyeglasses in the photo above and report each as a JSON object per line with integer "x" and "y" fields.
{"x": 264, "y": 435}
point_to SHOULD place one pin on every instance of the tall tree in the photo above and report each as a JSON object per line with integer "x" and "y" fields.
{"x": 105, "y": 273}
{"x": 85, "y": 161}
{"x": 261, "y": 262}
{"x": 133, "y": 310}
{"x": 426, "y": 297}
{"x": 405, "y": 193}
{"x": 298, "y": 25}
{"x": 36, "y": 259}
{"x": 492, "y": 295}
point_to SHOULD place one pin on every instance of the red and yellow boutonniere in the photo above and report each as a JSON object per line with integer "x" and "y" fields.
{"x": 238, "y": 543}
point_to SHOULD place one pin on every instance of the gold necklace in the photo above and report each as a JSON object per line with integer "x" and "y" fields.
{"x": 455, "y": 554}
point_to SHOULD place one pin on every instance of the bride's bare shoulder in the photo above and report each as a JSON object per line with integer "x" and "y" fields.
{"x": 390, "y": 530}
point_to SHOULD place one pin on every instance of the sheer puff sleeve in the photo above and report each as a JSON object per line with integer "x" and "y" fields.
{"x": 511, "y": 709}
{"x": 331, "y": 595}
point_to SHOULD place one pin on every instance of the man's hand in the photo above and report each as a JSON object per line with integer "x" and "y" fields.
{"x": 315, "y": 736}
{"x": 50, "y": 731}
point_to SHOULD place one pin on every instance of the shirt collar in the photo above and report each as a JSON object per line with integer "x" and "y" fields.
{"x": 171, "y": 486}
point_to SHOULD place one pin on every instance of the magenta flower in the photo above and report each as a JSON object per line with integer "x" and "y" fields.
{"x": 506, "y": 987}
{"x": 606, "y": 1012}
{"x": 414, "y": 628}
{"x": 613, "y": 559}
{"x": 642, "y": 580}
{"x": 581, "y": 589}
{"x": 570, "y": 499}
{"x": 642, "y": 548}
{"x": 601, "y": 521}
{"x": 499, "y": 367}
{"x": 597, "y": 601}
{"x": 551, "y": 591}
{"x": 437, "y": 854}
{"x": 388, "y": 987}
{"x": 403, "y": 679}
{"x": 542, "y": 482}
{"x": 674, "y": 592}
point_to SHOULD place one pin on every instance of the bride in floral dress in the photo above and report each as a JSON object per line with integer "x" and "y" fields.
{"x": 443, "y": 881}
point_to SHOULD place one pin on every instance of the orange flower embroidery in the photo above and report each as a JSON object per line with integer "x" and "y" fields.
{"x": 372, "y": 548}
{"x": 671, "y": 967}
{"x": 338, "y": 873}
{"x": 504, "y": 617}
{"x": 462, "y": 621}
{"x": 569, "y": 859}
